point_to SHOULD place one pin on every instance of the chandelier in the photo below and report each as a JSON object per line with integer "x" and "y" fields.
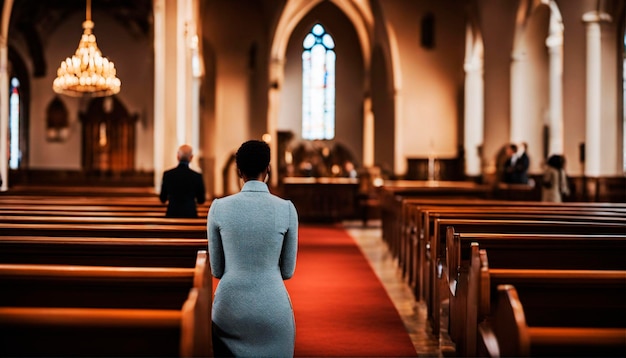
{"x": 87, "y": 73}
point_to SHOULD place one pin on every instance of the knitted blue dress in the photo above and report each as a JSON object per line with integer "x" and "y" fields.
{"x": 253, "y": 240}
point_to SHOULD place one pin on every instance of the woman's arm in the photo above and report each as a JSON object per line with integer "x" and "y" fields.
{"x": 290, "y": 245}
{"x": 216, "y": 250}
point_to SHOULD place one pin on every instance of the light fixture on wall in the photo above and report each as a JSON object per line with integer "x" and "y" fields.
{"x": 87, "y": 72}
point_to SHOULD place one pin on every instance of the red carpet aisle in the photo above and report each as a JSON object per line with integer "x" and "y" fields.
{"x": 341, "y": 307}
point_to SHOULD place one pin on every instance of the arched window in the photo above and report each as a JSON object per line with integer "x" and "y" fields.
{"x": 318, "y": 85}
{"x": 14, "y": 124}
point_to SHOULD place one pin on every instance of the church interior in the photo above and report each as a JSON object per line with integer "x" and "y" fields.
{"x": 393, "y": 119}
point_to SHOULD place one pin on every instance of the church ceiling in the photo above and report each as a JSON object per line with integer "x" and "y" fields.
{"x": 33, "y": 20}
{"x": 134, "y": 15}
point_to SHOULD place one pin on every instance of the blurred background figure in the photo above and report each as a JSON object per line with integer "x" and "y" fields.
{"x": 554, "y": 181}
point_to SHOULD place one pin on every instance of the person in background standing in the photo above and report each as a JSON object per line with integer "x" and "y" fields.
{"x": 516, "y": 166}
{"x": 522, "y": 164}
{"x": 554, "y": 181}
{"x": 182, "y": 188}
{"x": 508, "y": 175}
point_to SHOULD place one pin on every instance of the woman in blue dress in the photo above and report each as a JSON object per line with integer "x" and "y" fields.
{"x": 253, "y": 242}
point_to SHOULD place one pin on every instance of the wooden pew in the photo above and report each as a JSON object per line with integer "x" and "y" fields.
{"x": 80, "y": 191}
{"x": 406, "y": 242}
{"x": 125, "y": 230}
{"x": 508, "y": 334}
{"x": 98, "y": 220}
{"x": 421, "y": 218}
{"x": 434, "y": 266}
{"x": 395, "y": 199}
{"x": 101, "y": 251}
{"x": 113, "y": 332}
{"x": 142, "y": 303}
{"x": 394, "y": 193}
{"x": 28, "y": 285}
{"x": 118, "y": 308}
{"x": 512, "y": 256}
{"x": 74, "y": 211}
{"x": 45, "y": 200}
{"x": 434, "y": 235}
{"x": 90, "y": 203}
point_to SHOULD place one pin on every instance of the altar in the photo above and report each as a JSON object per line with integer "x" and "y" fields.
{"x": 323, "y": 199}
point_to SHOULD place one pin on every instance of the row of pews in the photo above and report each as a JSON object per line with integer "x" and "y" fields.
{"x": 104, "y": 274}
{"x": 512, "y": 278}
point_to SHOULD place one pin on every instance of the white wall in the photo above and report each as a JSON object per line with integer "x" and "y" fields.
{"x": 432, "y": 79}
{"x": 133, "y": 62}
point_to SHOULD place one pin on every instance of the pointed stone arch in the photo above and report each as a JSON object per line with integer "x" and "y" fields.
{"x": 537, "y": 79}
{"x": 361, "y": 18}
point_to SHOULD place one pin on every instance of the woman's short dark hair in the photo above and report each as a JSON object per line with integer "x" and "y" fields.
{"x": 252, "y": 158}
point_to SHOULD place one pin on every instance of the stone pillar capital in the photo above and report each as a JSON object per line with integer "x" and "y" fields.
{"x": 593, "y": 17}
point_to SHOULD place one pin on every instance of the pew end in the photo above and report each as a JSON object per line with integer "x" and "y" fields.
{"x": 196, "y": 335}
{"x": 507, "y": 334}
{"x": 202, "y": 274}
{"x": 112, "y": 332}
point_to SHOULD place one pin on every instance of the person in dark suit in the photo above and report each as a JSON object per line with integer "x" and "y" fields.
{"x": 182, "y": 188}
{"x": 509, "y": 165}
{"x": 521, "y": 164}
{"x": 516, "y": 166}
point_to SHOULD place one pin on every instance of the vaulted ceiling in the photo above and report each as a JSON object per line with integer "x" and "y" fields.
{"x": 35, "y": 19}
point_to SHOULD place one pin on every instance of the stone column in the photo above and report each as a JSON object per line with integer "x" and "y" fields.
{"x": 4, "y": 113}
{"x": 554, "y": 42}
{"x": 519, "y": 129}
{"x": 165, "y": 101}
{"x": 277, "y": 75}
{"x": 368, "y": 133}
{"x": 474, "y": 117}
{"x": 4, "y": 94}
{"x": 593, "y": 141}
{"x": 176, "y": 93}
{"x": 400, "y": 165}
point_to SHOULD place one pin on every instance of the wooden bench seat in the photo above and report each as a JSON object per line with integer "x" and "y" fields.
{"x": 435, "y": 257}
{"x": 105, "y": 212}
{"x": 108, "y": 332}
{"x": 73, "y": 204}
{"x": 401, "y": 213}
{"x": 432, "y": 244}
{"x": 422, "y": 230}
{"x": 101, "y": 286}
{"x": 101, "y": 251}
{"x": 395, "y": 203}
{"x": 125, "y": 230}
{"x": 508, "y": 334}
{"x": 556, "y": 290}
{"x": 45, "y": 200}
{"x": 98, "y": 220}
{"x": 410, "y": 223}
{"x": 93, "y": 286}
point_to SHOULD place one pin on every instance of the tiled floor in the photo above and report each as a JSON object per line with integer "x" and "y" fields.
{"x": 413, "y": 313}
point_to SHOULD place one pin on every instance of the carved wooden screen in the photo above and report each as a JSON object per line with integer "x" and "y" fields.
{"x": 108, "y": 137}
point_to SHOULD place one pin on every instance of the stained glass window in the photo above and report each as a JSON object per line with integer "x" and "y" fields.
{"x": 318, "y": 85}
